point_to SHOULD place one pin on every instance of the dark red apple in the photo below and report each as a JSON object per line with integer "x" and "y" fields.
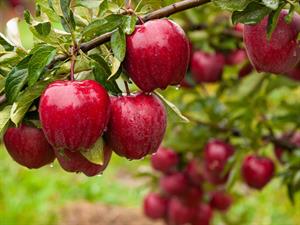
{"x": 179, "y": 213}
{"x": 74, "y": 114}
{"x": 245, "y": 70}
{"x": 155, "y": 206}
{"x": 279, "y": 54}
{"x": 76, "y": 162}
{"x": 137, "y": 125}
{"x": 193, "y": 195}
{"x": 194, "y": 171}
{"x": 15, "y": 3}
{"x": 257, "y": 171}
{"x": 236, "y": 57}
{"x": 203, "y": 215}
{"x": 157, "y": 55}
{"x": 239, "y": 27}
{"x": 220, "y": 200}
{"x": 207, "y": 67}
{"x": 216, "y": 155}
{"x": 164, "y": 160}
{"x": 294, "y": 73}
{"x": 28, "y": 146}
{"x": 174, "y": 184}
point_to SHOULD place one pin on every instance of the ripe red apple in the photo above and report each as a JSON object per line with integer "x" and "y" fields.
{"x": 294, "y": 73}
{"x": 236, "y": 57}
{"x": 220, "y": 200}
{"x": 76, "y": 162}
{"x": 28, "y": 146}
{"x": 74, "y": 114}
{"x": 14, "y": 3}
{"x": 207, "y": 67}
{"x": 164, "y": 160}
{"x": 203, "y": 215}
{"x": 245, "y": 70}
{"x": 137, "y": 125}
{"x": 155, "y": 206}
{"x": 239, "y": 27}
{"x": 179, "y": 213}
{"x": 157, "y": 55}
{"x": 195, "y": 172}
{"x": 257, "y": 171}
{"x": 279, "y": 54}
{"x": 174, "y": 184}
{"x": 216, "y": 155}
{"x": 193, "y": 195}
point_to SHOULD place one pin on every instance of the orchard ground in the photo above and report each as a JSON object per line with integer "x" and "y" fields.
{"x": 50, "y": 196}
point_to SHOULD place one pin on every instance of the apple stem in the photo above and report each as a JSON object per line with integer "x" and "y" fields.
{"x": 127, "y": 87}
{"x": 73, "y": 60}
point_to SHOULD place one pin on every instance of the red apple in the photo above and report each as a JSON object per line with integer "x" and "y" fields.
{"x": 239, "y": 27}
{"x": 137, "y": 125}
{"x": 15, "y": 3}
{"x": 207, "y": 67}
{"x": 157, "y": 55}
{"x": 179, "y": 213}
{"x": 279, "y": 54}
{"x": 236, "y": 57}
{"x": 164, "y": 160}
{"x": 294, "y": 73}
{"x": 76, "y": 162}
{"x": 216, "y": 155}
{"x": 74, "y": 114}
{"x": 28, "y": 146}
{"x": 155, "y": 206}
{"x": 203, "y": 215}
{"x": 194, "y": 171}
{"x": 192, "y": 196}
{"x": 245, "y": 70}
{"x": 174, "y": 184}
{"x": 220, "y": 200}
{"x": 257, "y": 171}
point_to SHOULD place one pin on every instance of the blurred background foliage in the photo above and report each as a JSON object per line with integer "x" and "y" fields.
{"x": 252, "y": 105}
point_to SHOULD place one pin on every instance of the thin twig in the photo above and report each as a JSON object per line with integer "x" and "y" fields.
{"x": 2, "y": 99}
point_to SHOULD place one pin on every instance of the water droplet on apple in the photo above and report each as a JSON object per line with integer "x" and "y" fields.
{"x": 51, "y": 165}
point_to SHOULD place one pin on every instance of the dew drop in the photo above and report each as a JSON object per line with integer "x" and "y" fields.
{"x": 51, "y": 165}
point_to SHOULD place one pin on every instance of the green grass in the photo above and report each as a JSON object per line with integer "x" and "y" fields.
{"x": 35, "y": 196}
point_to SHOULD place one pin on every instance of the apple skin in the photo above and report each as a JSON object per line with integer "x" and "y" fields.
{"x": 203, "y": 215}
{"x": 174, "y": 184}
{"x": 164, "y": 160}
{"x": 194, "y": 171}
{"x": 236, "y": 57}
{"x": 74, "y": 114}
{"x": 28, "y": 146}
{"x": 137, "y": 125}
{"x": 216, "y": 155}
{"x": 278, "y": 55}
{"x": 207, "y": 67}
{"x": 76, "y": 162}
{"x": 155, "y": 206}
{"x": 179, "y": 213}
{"x": 192, "y": 196}
{"x": 220, "y": 201}
{"x": 257, "y": 171}
{"x": 15, "y": 3}
{"x": 157, "y": 55}
{"x": 245, "y": 70}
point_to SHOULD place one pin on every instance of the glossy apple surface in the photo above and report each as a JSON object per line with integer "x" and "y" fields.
{"x": 257, "y": 171}
{"x": 164, "y": 160}
{"x": 155, "y": 206}
{"x": 279, "y": 54}
{"x": 174, "y": 184}
{"x": 236, "y": 57}
{"x": 157, "y": 55}
{"x": 28, "y": 146}
{"x": 137, "y": 125}
{"x": 207, "y": 67}
{"x": 76, "y": 162}
{"x": 195, "y": 172}
{"x": 74, "y": 114}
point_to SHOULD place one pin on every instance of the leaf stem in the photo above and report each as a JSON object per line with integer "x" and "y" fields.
{"x": 127, "y": 87}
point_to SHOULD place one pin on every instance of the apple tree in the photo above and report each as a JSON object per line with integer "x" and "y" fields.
{"x": 210, "y": 92}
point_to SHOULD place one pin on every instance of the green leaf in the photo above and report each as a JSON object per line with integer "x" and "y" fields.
{"x": 101, "y": 73}
{"x": 40, "y": 59}
{"x": 103, "y": 7}
{"x": 116, "y": 64}
{"x": 68, "y": 20}
{"x": 129, "y": 23}
{"x": 272, "y": 21}
{"x": 10, "y": 59}
{"x": 118, "y": 44}
{"x": 24, "y": 101}
{"x": 4, "y": 117}
{"x": 43, "y": 28}
{"x": 232, "y": 5}
{"x": 272, "y": 4}
{"x": 90, "y": 4}
{"x": 95, "y": 154}
{"x": 102, "y": 26}
{"x": 253, "y": 14}
{"x": 7, "y": 45}
{"x": 172, "y": 107}
{"x": 16, "y": 80}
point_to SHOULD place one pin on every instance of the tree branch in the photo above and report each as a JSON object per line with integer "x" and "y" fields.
{"x": 2, "y": 99}
{"x": 160, "y": 13}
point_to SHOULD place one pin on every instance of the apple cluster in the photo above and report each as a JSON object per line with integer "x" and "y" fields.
{"x": 191, "y": 189}
{"x": 75, "y": 115}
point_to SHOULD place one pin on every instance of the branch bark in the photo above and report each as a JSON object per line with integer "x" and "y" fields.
{"x": 2, "y": 99}
{"x": 160, "y": 13}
